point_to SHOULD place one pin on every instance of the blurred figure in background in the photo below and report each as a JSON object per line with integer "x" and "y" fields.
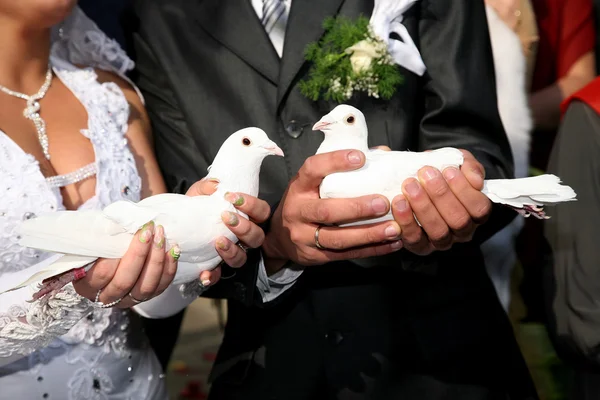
{"x": 573, "y": 285}
{"x": 565, "y": 63}
{"x": 513, "y": 45}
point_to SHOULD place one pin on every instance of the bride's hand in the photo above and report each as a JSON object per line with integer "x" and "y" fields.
{"x": 144, "y": 272}
{"x": 247, "y": 231}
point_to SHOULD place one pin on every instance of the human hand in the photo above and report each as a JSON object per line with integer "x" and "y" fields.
{"x": 449, "y": 205}
{"x": 246, "y": 230}
{"x": 301, "y": 212}
{"x": 144, "y": 272}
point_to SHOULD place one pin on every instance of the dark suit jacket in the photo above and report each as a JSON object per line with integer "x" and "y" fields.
{"x": 407, "y": 327}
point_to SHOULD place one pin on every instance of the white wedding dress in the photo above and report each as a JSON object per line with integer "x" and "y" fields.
{"x": 62, "y": 347}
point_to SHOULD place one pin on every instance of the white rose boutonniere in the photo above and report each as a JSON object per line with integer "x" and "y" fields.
{"x": 360, "y": 56}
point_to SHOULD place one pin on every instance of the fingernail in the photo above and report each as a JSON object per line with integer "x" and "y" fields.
{"x": 397, "y": 245}
{"x": 222, "y": 244}
{"x": 230, "y": 218}
{"x": 430, "y": 173}
{"x": 206, "y": 282}
{"x": 379, "y": 205}
{"x": 234, "y": 198}
{"x": 412, "y": 188}
{"x": 354, "y": 157}
{"x": 392, "y": 231}
{"x": 175, "y": 252}
{"x": 401, "y": 205}
{"x": 159, "y": 237}
{"x": 450, "y": 173}
{"x": 147, "y": 231}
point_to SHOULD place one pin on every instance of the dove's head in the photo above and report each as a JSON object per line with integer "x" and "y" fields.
{"x": 250, "y": 143}
{"x": 344, "y": 127}
{"x": 237, "y": 164}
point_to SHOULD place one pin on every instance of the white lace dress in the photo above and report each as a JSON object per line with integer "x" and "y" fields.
{"x": 100, "y": 353}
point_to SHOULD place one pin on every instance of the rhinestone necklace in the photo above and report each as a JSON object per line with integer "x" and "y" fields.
{"x": 33, "y": 106}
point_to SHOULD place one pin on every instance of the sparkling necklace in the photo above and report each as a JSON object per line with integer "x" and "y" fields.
{"x": 33, "y": 106}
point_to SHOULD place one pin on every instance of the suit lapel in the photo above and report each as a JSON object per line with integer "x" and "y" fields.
{"x": 305, "y": 25}
{"x": 234, "y": 23}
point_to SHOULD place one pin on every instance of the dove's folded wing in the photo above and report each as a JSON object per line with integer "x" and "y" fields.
{"x": 84, "y": 233}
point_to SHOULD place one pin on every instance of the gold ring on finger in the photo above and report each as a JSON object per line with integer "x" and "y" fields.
{"x": 243, "y": 247}
{"x": 136, "y": 301}
{"x": 317, "y": 244}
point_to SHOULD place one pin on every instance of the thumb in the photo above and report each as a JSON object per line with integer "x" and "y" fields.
{"x": 203, "y": 187}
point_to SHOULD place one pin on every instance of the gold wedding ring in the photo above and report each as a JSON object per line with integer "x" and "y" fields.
{"x": 317, "y": 244}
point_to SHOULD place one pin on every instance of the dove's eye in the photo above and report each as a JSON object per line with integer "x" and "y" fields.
{"x": 350, "y": 119}
{"x": 246, "y": 141}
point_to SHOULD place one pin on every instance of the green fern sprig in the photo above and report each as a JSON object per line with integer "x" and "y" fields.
{"x": 331, "y": 75}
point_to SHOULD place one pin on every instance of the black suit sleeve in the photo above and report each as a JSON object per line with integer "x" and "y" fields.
{"x": 573, "y": 232}
{"x": 460, "y": 106}
{"x": 179, "y": 156}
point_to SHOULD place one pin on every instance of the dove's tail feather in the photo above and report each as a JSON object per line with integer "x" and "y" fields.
{"x": 528, "y": 195}
{"x": 84, "y": 233}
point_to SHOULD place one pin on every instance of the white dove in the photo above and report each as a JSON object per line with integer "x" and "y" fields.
{"x": 385, "y": 171}
{"x": 193, "y": 223}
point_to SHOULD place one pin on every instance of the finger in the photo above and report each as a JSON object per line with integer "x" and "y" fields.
{"x": 209, "y": 278}
{"x": 413, "y": 236}
{"x": 447, "y": 204}
{"x": 317, "y": 167}
{"x": 150, "y": 277}
{"x": 256, "y": 209}
{"x": 473, "y": 170}
{"x": 428, "y": 216}
{"x": 170, "y": 268}
{"x": 384, "y": 148}
{"x": 358, "y": 253}
{"x": 340, "y": 211}
{"x": 101, "y": 273}
{"x": 231, "y": 253}
{"x": 130, "y": 266}
{"x": 357, "y": 236}
{"x": 244, "y": 230}
{"x": 476, "y": 203}
{"x": 203, "y": 187}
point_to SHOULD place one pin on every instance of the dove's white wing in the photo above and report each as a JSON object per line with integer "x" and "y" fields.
{"x": 53, "y": 266}
{"x": 85, "y": 233}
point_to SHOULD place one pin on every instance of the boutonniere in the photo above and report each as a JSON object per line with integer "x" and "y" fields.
{"x": 360, "y": 56}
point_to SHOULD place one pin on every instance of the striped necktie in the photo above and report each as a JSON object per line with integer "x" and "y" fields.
{"x": 274, "y": 19}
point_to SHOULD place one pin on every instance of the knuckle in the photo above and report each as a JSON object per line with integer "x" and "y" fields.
{"x": 308, "y": 167}
{"x": 439, "y": 235}
{"x": 482, "y": 210}
{"x": 296, "y": 236}
{"x": 439, "y": 189}
{"x": 122, "y": 286}
{"x": 335, "y": 242}
{"x": 461, "y": 222}
{"x": 322, "y": 213}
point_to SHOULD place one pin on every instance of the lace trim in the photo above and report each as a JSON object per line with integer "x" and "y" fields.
{"x": 23, "y": 331}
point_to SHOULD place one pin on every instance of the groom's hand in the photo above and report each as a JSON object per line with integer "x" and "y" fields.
{"x": 449, "y": 206}
{"x": 301, "y": 212}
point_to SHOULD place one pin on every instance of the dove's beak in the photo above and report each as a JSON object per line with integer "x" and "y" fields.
{"x": 273, "y": 149}
{"x": 322, "y": 125}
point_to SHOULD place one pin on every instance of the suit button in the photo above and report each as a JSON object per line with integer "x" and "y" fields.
{"x": 240, "y": 291}
{"x": 334, "y": 337}
{"x": 294, "y": 129}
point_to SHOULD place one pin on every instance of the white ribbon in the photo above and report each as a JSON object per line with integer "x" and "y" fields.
{"x": 386, "y": 19}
